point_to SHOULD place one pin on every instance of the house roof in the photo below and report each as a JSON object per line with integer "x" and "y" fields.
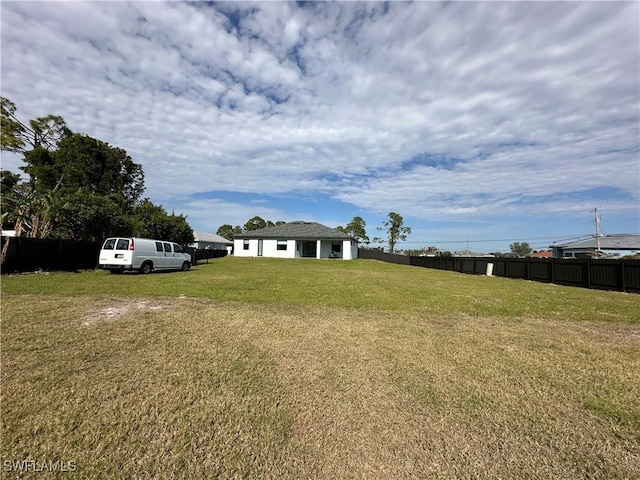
{"x": 210, "y": 237}
{"x": 607, "y": 242}
{"x": 296, "y": 230}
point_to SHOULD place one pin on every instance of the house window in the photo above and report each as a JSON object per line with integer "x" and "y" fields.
{"x": 282, "y": 245}
{"x": 336, "y": 247}
{"x": 245, "y": 245}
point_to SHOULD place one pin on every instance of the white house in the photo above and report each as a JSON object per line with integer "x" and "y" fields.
{"x": 295, "y": 240}
{"x": 615, "y": 243}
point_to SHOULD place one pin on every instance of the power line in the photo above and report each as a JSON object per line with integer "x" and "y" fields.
{"x": 555, "y": 240}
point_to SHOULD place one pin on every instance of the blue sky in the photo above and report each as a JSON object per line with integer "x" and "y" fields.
{"x": 485, "y": 122}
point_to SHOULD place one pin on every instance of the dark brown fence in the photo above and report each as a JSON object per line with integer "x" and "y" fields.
{"x": 620, "y": 275}
{"x": 199, "y": 255}
{"x": 30, "y": 254}
{"x": 385, "y": 257}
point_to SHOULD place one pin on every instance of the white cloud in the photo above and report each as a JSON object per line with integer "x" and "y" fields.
{"x": 533, "y": 102}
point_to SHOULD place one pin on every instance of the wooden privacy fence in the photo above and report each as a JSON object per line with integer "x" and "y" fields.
{"x": 620, "y": 275}
{"x": 30, "y": 254}
{"x": 205, "y": 254}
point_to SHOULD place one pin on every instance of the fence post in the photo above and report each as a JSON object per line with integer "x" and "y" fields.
{"x": 622, "y": 283}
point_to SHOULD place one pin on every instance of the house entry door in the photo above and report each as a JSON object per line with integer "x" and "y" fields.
{"x": 309, "y": 249}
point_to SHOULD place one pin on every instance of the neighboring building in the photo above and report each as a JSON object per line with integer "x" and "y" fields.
{"x": 542, "y": 254}
{"x": 608, "y": 244}
{"x": 211, "y": 241}
{"x": 295, "y": 240}
{"x": 470, "y": 253}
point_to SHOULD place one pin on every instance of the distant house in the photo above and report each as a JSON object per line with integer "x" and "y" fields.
{"x": 211, "y": 241}
{"x": 296, "y": 240}
{"x": 542, "y": 254}
{"x": 608, "y": 243}
{"x": 470, "y": 253}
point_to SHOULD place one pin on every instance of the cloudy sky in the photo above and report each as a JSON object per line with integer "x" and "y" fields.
{"x": 485, "y": 122}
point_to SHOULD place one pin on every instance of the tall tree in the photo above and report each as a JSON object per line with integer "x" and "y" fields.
{"x": 520, "y": 249}
{"x": 152, "y": 221}
{"x": 31, "y": 210}
{"x": 85, "y": 216}
{"x": 79, "y": 187}
{"x": 43, "y": 132}
{"x": 9, "y": 192}
{"x": 356, "y": 229}
{"x": 255, "y": 223}
{"x": 395, "y": 229}
{"x": 99, "y": 186}
{"x": 227, "y": 231}
{"x": 83, "y": 162}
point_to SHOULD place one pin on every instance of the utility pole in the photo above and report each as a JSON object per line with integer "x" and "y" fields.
{"x": 596, "y": 219}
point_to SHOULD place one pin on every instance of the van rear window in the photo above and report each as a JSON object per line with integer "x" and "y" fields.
{"x": 123, "y": 244}
{"x": 109, "y": 244}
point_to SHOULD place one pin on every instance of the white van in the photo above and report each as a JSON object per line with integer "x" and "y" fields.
{"x": 143, "y": 254}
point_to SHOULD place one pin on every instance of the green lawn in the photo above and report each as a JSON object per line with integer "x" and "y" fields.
{"x": 263, "y": 368}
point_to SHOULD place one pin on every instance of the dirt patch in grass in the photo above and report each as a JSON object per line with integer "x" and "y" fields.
{"x": 119, "y": 307}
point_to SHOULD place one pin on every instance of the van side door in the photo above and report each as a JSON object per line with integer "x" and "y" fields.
{"x": 180, "y": 255}
{"x": 159, "y": 260}
{"x": 169, "y": 261}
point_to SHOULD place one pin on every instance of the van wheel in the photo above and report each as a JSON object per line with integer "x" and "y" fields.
{"x": 146, "y": 267}
{"x": 185, "y": 266}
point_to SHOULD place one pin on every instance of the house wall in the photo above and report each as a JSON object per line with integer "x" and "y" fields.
{"x": 269, "y": 248}
{"x": 349, "y": 249}
{"x": 238, "y": 248}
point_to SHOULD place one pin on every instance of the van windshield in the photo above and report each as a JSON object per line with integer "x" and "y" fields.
{"x": 109, "y": 244}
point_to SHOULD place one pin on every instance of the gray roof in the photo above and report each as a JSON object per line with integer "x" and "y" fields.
{"x": 296, "y": 230}
{"x": 210, "y": 237}
{"x": 607, "y": 242}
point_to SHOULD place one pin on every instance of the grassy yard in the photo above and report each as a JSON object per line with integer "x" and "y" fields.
{"x": 262, "y": 368}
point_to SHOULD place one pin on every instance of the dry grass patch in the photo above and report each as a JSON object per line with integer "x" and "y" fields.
{"x": 192, "y": 388}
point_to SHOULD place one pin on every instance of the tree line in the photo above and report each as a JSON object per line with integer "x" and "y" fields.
{"x": 76, "y": 187}
{"x": 255, "y": 223}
